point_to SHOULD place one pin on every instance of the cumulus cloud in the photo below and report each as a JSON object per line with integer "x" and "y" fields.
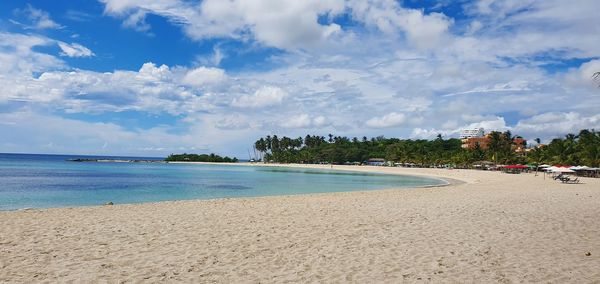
{"x": 263, "y": 97}
{"x": 74, "y": 50}
{"x": 288, "y": 25}
{"x": 424, "y": 31}
{"x": 150, "y": 72}
{"x": 151, "y": 89}
{"x": 204, "y": 76}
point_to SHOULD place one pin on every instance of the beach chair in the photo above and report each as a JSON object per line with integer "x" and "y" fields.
{"x": 565, "y": 179}
{"x": 575, "y": 180}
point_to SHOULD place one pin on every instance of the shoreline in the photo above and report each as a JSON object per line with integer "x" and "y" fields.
{"x": 351, "y": 168}
{"x": 493, "y": 227}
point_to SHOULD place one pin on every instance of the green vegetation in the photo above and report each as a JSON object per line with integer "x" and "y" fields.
{"x": 583, "y": 148}
{"x": 580, "y": 149}
{"x": 200, "y": 158}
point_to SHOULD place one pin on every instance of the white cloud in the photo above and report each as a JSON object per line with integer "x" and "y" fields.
{"x": 554, "y": 124}
{"x": 304, "y": 121}
{"x": 263, "y": 97}
{"x": 18, "y": 57}
{"x": 288, "y": 25}
{"x": 320, "y": 121}
{"x": 297, "y": 121}
{"x": 388, "y": 120}
{"x": 150, "y": 72}
{"x": 74, "y": 50}
{"x": 38, "y": 19}
{"x": 201, "y": 76}
{"x": 584, "y": 75}
{"x": 59, "y": 135}
{"x": 424, "y": 31}
{"x": 137, "y": 21}
{"x": 513, "y": 86}
{"x": 526, "y": 28}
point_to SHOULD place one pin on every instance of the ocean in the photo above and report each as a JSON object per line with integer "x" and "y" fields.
{"x": 44, "y": 181}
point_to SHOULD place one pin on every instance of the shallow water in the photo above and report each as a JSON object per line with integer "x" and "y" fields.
{"x": 42, "y": 181}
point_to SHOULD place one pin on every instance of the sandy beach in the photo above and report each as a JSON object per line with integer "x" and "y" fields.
{"x": 490, "y": 227}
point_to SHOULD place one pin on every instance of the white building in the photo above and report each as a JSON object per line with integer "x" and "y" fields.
{"x": 471, "y": 133}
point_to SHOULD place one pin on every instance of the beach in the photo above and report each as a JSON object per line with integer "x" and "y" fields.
{"x": 484, "y": 227}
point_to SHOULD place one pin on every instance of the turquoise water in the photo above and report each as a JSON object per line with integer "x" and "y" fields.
{"x": 42, "y": 181}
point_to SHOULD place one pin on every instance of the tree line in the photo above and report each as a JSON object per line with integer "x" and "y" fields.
{"x": 583, "y": 148}
{"x": 200, "y": 158}
{"x": 573, "y": 149}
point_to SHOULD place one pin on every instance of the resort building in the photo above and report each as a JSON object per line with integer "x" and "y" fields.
{"x": 472, "y": 142}
{"x": 519, "y": 144}
{"x": 470, "y": 138}
{"x": 471, "y": 133}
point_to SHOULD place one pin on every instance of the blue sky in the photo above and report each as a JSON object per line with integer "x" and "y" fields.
{"x": 149, "y": 78}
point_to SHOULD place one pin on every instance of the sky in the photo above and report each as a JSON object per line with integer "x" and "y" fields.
{"x": 154, "y": 77}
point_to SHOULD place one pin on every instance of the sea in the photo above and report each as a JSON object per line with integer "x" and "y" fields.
{"x": 46, "y": 181}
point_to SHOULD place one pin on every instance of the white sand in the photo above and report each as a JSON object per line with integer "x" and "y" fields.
{"x": 493, "y": 228}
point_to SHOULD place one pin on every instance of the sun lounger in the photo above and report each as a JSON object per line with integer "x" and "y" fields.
{"x": 566, "y": 179}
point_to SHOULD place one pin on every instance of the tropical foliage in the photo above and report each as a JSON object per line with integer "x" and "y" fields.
{"x": 580, "y": 149}
{"x": 200, "y": 158}
{"x": 583, "y": 148}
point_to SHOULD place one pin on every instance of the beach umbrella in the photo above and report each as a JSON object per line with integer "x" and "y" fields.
{"x": 544, "y": 166}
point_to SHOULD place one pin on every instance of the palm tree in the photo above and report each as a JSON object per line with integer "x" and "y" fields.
{"x": 495, "y": 145}
{"x": 269, "y": 142}
{"x": 261, "y": 146}
{"x": 588, "y": 147}
{"x": 570, "y": 144}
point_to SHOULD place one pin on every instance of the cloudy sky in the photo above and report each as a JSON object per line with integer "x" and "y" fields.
{"x": 153, "y": 77}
